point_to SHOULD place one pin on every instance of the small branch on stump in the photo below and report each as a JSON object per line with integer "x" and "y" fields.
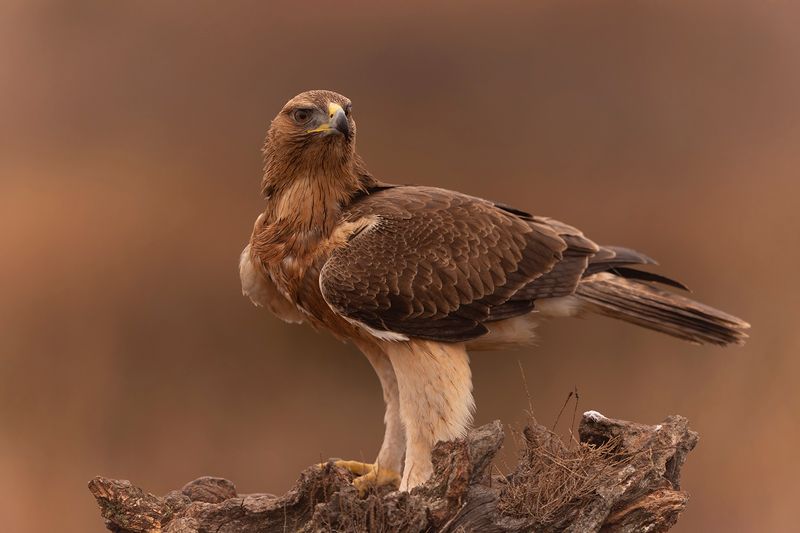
{"x": 622, "y": 476}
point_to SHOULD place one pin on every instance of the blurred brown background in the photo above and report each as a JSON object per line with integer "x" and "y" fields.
{"x": 129, "y": 174}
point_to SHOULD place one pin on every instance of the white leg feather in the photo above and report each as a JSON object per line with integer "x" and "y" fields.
{"x": 394, "y": 439}
{"x": 436, "y": 404}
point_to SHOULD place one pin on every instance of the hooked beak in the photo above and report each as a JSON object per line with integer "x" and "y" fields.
{"x": 337, "y": 122}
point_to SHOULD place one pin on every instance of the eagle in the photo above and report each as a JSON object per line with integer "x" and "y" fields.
{"x": 416, "y": 277}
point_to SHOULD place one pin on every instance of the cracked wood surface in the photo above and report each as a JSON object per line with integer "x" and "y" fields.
{"x": 631, "y": 484}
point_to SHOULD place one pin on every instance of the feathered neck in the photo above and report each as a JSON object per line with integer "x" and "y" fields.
{"x": 304, "y": 205}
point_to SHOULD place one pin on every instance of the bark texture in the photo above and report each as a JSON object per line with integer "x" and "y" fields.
{"x": 621, "y": 476}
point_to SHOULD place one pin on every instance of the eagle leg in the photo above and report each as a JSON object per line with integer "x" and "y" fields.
{"x": 393, "y": 449}
{"x": 436, "y": 404}
{"x": 389, "y": 463}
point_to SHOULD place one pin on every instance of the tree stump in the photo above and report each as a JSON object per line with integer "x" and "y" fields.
{"x": 620, "y": 476}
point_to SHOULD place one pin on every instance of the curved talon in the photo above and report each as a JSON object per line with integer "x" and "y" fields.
{"x": 377, "y": 477}
{"x": 369, "y": 475}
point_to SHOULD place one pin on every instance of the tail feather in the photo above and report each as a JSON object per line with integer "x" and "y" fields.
{"x": 645, "y": 305}
{"x": 609, "y": 257}
{"x": 643, "y": 275}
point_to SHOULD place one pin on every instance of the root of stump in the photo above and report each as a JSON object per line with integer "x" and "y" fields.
{"x": 621, "y": 476}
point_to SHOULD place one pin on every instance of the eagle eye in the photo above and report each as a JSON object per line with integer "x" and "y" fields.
{"x": 348, "y": 109}
{"x": 301, "y": 116}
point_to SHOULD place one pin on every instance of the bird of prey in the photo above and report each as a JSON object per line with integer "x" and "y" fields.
{"x": 416, "y": 277}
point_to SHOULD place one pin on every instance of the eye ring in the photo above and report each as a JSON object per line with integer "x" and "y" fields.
{"x": 302, "y": 115}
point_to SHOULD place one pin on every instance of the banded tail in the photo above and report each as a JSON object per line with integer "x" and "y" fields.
{"x": 618, "y": 291}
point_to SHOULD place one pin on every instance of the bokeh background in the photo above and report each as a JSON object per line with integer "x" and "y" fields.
{"x": 129, "y": 177}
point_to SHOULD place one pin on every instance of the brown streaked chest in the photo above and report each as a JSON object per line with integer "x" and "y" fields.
{"x": 296, "y": 271}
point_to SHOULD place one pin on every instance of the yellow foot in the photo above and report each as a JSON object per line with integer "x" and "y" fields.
{"x": 369, "y": 475}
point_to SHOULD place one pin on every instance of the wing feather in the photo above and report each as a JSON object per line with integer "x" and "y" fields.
{"x": 437, "y": 264}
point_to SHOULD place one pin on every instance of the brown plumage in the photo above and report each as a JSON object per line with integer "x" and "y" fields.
{"x": 415, "y": 276}
{"x": 435, "y": 264}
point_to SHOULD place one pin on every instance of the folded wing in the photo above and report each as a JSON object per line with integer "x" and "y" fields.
{"x": 435, "y": 264}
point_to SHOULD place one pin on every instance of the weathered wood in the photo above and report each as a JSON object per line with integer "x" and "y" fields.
{"x": 623, "y": 476}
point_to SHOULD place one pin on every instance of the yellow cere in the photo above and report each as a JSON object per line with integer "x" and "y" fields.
{"x": 332, "y": 109}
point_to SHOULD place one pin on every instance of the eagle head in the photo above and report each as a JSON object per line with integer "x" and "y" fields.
{"x": 314, "y": 133}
